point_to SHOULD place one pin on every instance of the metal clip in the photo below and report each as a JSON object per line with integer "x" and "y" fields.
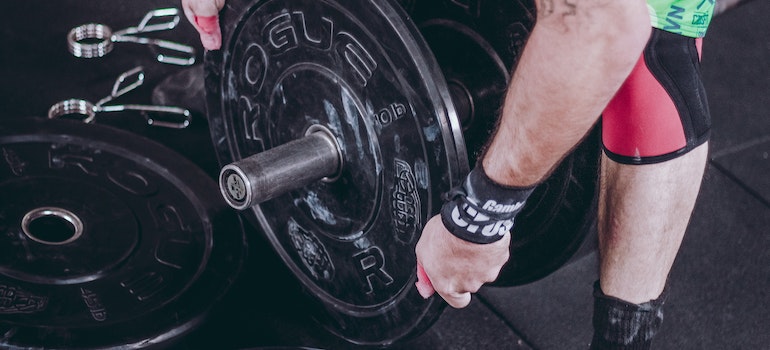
{"x": 136, "y": 78}
{"x": 96, "y": 40}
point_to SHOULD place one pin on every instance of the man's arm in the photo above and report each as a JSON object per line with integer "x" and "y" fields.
{"x": 578, "y": 55}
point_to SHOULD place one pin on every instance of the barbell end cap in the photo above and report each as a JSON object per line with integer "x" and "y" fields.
{"x": 236, "y": 187}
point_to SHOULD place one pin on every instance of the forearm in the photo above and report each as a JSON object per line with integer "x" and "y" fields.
{"x": 576, "y": 58}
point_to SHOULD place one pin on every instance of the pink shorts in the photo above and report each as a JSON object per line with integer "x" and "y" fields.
{"x": 661, "y": 111}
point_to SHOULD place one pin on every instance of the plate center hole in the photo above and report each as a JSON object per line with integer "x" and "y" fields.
{"x": 53, "y": 226}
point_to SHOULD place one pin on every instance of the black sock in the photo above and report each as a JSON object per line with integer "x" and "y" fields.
{"x": 620, "y": 325}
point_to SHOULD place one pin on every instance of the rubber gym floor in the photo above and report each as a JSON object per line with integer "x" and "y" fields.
{"x": 719, "y": 284}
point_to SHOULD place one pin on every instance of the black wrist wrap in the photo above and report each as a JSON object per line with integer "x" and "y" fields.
{"x": 482, "y": 211}
{"x": 620, "y": 325}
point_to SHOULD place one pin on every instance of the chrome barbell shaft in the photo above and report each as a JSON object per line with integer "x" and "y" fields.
{"x": 269, "y": 174}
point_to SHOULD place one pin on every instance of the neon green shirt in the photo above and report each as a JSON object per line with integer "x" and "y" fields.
{"x": 685, "y": 17}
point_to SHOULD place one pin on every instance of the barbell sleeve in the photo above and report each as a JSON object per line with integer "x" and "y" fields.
{"x": 269, "y": 174}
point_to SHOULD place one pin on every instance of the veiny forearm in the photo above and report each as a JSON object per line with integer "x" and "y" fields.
{"x": 576, "y": 58}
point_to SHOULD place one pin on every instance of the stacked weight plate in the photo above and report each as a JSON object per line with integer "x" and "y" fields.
{"x": 108, "y": 239}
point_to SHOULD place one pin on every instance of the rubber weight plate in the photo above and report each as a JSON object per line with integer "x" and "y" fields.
{"x": 107, "y": 239}
{"x": 360, "y": 71}
{"x": 476, "y": 43}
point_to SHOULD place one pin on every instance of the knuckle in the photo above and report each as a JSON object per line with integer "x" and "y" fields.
{"x": 458, "y": 300}
{"x": 491, "y": 276}
{"x": 443, "y": 290}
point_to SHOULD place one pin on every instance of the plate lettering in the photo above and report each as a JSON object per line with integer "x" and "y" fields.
{"x": 371, "y": 264}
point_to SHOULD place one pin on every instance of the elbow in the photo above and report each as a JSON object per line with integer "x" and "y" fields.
{"x": 630, "y": 32}
{"x": 614, "y": 32}
{"x": 634, "y": 28}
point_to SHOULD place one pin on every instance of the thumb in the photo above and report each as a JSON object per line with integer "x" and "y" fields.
{"x": 423, "y": 284}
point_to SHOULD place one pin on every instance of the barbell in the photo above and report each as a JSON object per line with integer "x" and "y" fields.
{"x": 340, "y": 124}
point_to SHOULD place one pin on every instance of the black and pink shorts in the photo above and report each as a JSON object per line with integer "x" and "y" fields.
{"x": 660, "y": 112}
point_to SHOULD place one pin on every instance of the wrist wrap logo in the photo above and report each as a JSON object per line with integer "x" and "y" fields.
{"x": 482, "y": 221}
{"x": 467, "y": 222}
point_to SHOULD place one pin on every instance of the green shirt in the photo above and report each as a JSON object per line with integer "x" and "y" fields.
{"x": 685, "y": 17}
